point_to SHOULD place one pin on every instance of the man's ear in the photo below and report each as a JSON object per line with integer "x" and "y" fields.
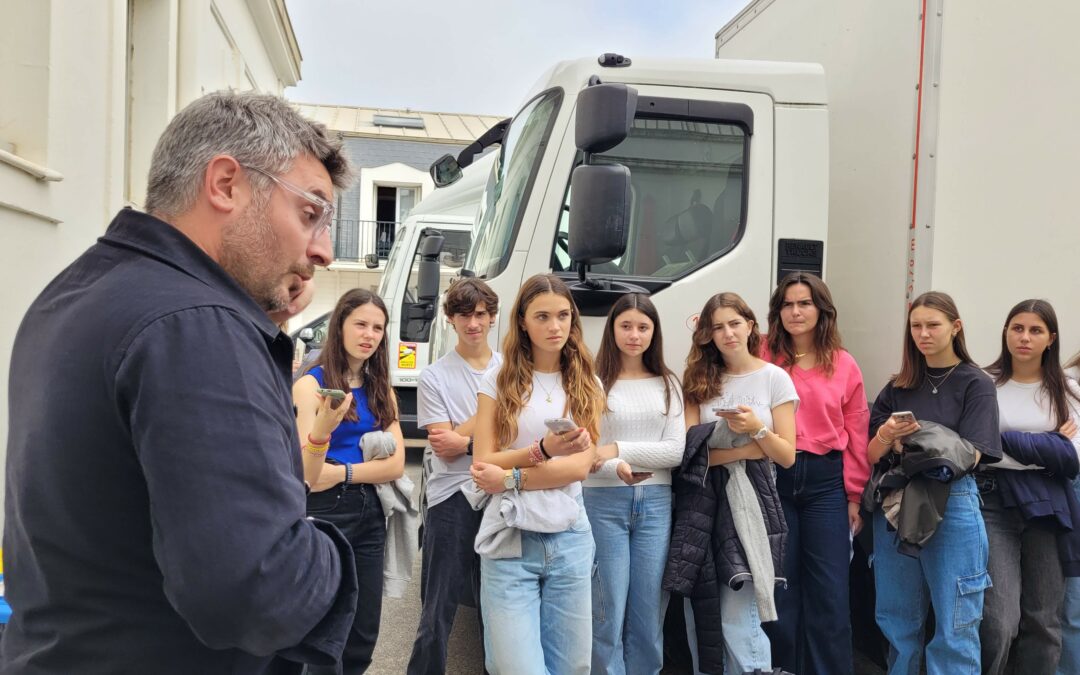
{"x": 225, "y": 184}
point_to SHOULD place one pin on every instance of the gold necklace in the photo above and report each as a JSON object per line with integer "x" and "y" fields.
{"x": 799, "y": 356}
{"x": 558, "y": 383}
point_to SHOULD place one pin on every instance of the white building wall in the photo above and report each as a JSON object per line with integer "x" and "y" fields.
{"x": 65, "y": 88}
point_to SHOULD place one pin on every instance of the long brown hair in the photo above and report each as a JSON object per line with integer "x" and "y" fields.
{"x": 705, "y": 364}
{"x": 1053, "y": 375}
{"x": 375, "y": 373}
{"x": 609, "y": 359}
{"x": 826, "y": 333}
{"x": 913, "y": 366}
{"x": 584, "y": 398}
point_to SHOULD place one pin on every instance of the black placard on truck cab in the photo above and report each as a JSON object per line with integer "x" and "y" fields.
{"x": 799, "y": 255}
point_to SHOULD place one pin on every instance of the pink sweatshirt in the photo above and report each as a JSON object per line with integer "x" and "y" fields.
{"x": 833, "y": 415}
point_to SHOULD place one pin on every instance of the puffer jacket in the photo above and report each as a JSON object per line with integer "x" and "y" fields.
{"x": 705, "y": 549}
{"x": 930, "y": 454}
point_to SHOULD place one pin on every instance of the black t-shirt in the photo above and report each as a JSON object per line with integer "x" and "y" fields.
{"x": 966, "y": 402}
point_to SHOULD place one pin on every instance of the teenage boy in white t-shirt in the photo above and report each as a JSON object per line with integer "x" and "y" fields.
{"x": 446, "y": 407}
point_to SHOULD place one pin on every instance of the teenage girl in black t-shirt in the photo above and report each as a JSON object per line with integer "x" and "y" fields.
{"x": 937, "y": 382}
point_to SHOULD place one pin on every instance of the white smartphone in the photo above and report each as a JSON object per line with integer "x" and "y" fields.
{"x": 560, "y": 425}
{"x": 903, "y": 416}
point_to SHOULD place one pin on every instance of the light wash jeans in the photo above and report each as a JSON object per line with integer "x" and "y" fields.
{"x": 950, "y": 574}
{"x": 631, "y": 527}
{"x": 537, "y": 609}
{"x": 1070, "y": 629}
{"x": 746, "y": 646}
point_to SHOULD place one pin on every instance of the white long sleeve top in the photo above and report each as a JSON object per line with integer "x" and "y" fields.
{"x": 648, "y": 438}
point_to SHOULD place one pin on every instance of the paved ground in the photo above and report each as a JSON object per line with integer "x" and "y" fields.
{"x": 400, "y": 618}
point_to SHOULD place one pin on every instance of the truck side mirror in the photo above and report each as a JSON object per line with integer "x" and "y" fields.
{"x": 605, "y": 114}
{"x": 445, "y": 171}
{"x": 420, "y": 315}
{"x": 307, "y": 335}
{"x": 371, "y": 261}
{"x": 599, "y": 213}
{"x": 427, "y": 276}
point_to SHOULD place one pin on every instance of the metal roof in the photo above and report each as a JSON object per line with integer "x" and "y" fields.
{"x": 418, "y": 125}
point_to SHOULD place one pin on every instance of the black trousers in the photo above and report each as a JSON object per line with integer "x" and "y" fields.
{"x": 356, "y": 511}
{"x": 449, "y": 576}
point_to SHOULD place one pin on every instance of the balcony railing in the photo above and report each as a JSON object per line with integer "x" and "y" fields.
{"x": 354, "y": 239}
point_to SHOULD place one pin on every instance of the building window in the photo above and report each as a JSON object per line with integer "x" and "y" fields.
{"x": 392, "y": 207}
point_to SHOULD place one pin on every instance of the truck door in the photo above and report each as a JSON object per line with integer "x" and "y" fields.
{"x": 701, "y": 165}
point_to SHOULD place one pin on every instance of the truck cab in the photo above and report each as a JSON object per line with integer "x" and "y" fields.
{"x": 728, "y": 184}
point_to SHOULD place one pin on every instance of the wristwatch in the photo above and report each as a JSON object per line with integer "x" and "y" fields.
{"x": 508, "y": 480}
{"x": 760, "y": 433}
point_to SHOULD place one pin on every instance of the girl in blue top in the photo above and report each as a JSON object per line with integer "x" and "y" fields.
{"x": 354, "y": 360}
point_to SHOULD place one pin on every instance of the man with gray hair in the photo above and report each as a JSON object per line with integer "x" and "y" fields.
{"x": 155, "y": 510}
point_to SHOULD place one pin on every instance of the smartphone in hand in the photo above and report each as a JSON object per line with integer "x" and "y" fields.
{"x": 560, "y": 425}
{"x": 727, "y": 411}
{"x": 903, "y": 417}
{"x": 335, "y": 394}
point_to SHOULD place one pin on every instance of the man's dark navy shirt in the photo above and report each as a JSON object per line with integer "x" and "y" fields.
{"x": 155, "y": 510}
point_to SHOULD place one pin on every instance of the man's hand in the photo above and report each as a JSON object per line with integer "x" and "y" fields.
{"x": 300, "y": 296}
{"x": 447, "y": 443}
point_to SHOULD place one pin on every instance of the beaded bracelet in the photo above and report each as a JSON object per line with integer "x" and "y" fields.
{"x": 535, "y": 456}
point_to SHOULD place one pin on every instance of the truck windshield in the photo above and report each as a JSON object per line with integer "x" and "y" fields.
{"x": 502, "y": 205}
{"x": 393, "y": 262}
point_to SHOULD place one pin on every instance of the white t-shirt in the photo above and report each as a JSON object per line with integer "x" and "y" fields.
{"x": 447, "y": 393}
{"x": 1023, "y": 406}
{"x": 763, "y": 389}
{"x": 548, "y": 400}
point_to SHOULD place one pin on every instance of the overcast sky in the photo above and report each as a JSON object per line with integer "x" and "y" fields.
{"x": 479, "y": 56}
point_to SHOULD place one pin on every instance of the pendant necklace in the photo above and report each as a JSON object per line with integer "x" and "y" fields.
{"x": 935, "y": 386}
{"x": 558, "y": 383}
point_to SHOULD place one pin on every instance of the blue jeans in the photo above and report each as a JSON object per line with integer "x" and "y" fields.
{"x": 1070, "y": 621}
{"x": 813, "y": 633}
{"x": 950, "y": 574}
{"x": 632, "y": 528}
{"x": 537, "y": 609}
{"x": 746, "y": 646}
{"x": 1070, "y": 629}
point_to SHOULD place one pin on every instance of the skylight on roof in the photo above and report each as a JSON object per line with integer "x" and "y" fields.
{"x": 399, "y": 121}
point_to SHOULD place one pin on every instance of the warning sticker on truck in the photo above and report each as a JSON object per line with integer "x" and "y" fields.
{"x": 406, "y": 355}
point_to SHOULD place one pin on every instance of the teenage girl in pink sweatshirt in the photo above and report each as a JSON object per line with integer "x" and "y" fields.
{"x": 821, "y": 492}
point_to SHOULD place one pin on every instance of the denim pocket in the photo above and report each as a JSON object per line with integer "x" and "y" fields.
{"x": 326, "y": 501}
{"x": 598, "y": 608}
{"x": 969, "y": 599}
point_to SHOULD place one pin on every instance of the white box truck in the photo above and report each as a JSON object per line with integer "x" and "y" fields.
{"x": 952, "y": 153}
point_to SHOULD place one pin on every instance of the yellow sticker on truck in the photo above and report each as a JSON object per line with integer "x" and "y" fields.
{"x": 406, "y": 355}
